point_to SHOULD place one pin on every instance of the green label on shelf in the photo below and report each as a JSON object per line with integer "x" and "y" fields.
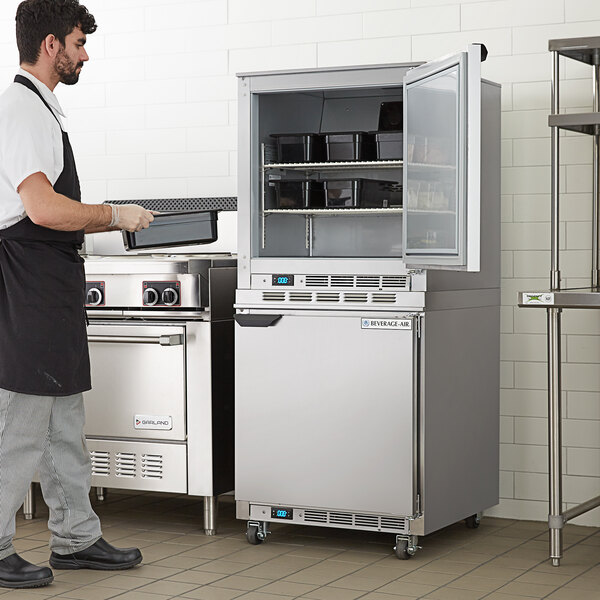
{"x": 538, "y": 298}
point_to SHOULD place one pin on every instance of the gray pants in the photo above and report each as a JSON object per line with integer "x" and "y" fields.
{"x": 45, "y": 433}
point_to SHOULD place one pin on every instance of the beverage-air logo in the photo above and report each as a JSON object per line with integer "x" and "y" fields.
{"x": 404, "y": 324}
{"x": 152, "y": 422}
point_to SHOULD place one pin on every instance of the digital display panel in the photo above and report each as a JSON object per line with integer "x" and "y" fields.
{"x": 278, "y": 512}
{"x": 282, "y": 280}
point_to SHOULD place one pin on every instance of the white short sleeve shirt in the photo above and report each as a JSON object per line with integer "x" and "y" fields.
{"x": 30, "y": 142}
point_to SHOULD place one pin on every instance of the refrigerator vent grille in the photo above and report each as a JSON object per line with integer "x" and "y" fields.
{"x": 300, "y": 296}
{"x": 342, "y": 281}
{"x": 315, "y": 516}
{"x": 366, "y": 521}
{"x": 125, "y": 464}
{"x": 355, "y": 297}
{"x": 359, "y": 281}
{"x": 384, "y": 298}
{"x": 274, "y": 296}
{"x": 368, "y": 281}
{"x": 317, "y": 280}
{"x": 388, "y": 281}
{"x": 390, "y": 523}
{"x": 328, "y": 297}
{"x": 100, "y": 462}
{"x": 353, "y": 520}
{"x": 340, "y": 518}
{"x": 152, "y": 466}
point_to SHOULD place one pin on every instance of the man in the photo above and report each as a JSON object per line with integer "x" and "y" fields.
{"x": 44, "y": 363}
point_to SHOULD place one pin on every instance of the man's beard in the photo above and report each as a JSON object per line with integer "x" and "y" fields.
{"x": 66, "y": 68}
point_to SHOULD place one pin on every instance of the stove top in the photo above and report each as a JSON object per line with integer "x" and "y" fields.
{"x": 152, "y": 282}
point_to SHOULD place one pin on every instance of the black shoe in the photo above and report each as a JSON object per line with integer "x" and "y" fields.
{"x": 16, "y": 572}
{"x": 101, "y": 556}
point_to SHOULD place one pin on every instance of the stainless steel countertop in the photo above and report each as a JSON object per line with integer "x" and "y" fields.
{"x": 153, "y": 264}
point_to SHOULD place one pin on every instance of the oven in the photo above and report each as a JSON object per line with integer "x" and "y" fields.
{"x": 159, "y": 416}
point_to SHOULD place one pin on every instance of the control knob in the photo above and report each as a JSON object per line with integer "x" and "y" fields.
{"x": 93, "y": 297}
{"x": 150, "y": 297}
{"x": 170, "y": 297}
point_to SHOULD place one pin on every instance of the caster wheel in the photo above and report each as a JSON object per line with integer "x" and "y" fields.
{"x": 472, "y": 522}
{"x": 401, "y": 550}
{"x": 253, "y": 537}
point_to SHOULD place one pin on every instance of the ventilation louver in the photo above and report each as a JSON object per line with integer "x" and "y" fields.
{"x": 355, "y": 297}
{"x": 328, "y": 297}
{"x": 388, "y": 281}
{"x": 315, "y": 516}
{"x": 317, "y": 281}
{"x": 100, "y": 462}
{"x": 342, "y": 281}
{"x": 366, "y": 521}
{"x": 152, "y": 466}
{"x": 368, "y": 281}
{"x": 300, "y": 296}
{"x": 341, "y": 519}
{"x": 384, "y": 298}
{"x": 125, "y": 464}
{"x": 274, "y": 296}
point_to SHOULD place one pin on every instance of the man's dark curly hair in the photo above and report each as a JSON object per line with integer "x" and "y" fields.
{"x": 37, "y": 19}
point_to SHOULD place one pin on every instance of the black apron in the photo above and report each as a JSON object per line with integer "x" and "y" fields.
{"x": 43, "y": 338}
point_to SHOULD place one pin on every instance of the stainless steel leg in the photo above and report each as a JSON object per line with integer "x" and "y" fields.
{"x": 210, "y": 515}
{"x": 101, "y": 494}
{"x": 29, "y": 504}
{"x": 596, "y": 179}
{"x": 555, "y": 519}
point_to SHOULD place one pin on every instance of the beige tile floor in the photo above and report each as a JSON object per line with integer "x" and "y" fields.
{"x": 502, "y": 560}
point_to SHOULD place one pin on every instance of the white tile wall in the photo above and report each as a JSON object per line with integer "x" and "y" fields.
{"x": 155, "y": 115}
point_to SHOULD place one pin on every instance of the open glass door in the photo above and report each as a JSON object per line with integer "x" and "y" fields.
{"x": 442, "y": 131}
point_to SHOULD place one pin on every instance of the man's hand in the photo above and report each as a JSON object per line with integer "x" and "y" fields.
{"x": 132, "y": 217}
{"x": 47, "y": 208}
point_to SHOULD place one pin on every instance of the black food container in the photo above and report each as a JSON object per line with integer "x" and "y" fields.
{"x": 366, "y": 193}
{"x": 357, "y": 145}
{"x": 388, "y": 145}
{"x": 299, "y": 193}
{"x": 381, "y": 194}
{"x": 175, "y": 229}
{"x": 300, "y": 147}
{"x": 391, "y": 116}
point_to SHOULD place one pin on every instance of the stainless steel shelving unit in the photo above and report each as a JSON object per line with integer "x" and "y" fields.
{"x": 309, "y": 168}
{"x": 586, "y": 50}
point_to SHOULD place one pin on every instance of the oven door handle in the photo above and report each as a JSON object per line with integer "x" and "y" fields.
{"x": 163, "y": 340}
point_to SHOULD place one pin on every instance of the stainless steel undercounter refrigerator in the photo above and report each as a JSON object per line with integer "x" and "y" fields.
{"x": 367, "y": 306}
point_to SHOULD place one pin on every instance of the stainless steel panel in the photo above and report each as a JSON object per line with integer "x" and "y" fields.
{"x": 330, "y": 428}
{"x": 327, "y": 78}
{"x": 131, "y": 379}
{"x": 331, "y": 300}
{"x": 199, "y": 408}
{"x": 338, "y": 519}
{"x": 151, "y": 264}
{"x": 126, "y": 290}
{"x": 158, "y": 467}
{"x": 460, "y": 423}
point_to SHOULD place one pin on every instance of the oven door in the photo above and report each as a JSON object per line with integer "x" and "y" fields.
{"x": 138, "y": 381}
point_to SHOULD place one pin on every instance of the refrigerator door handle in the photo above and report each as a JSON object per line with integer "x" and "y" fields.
{"x": 256, "y": 320}
{"x": 484, "y": 50}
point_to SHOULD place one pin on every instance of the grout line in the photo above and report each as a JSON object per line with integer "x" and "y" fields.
{"x": 232, "y": 536}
